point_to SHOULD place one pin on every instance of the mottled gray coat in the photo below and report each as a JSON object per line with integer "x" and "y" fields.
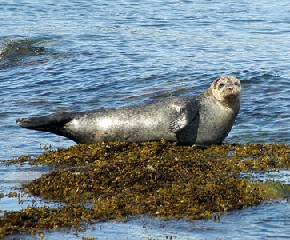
{"x": 201, "y": 120}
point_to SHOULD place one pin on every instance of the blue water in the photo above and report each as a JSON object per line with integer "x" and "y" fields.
{"x": 84, "y": 55}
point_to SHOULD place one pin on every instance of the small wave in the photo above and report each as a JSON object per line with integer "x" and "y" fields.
{"x": 14, "y": 51}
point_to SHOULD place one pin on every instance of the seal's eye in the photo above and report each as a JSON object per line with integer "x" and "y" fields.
{"x": 221, "y": 85}
{"x": 237, "y": 84}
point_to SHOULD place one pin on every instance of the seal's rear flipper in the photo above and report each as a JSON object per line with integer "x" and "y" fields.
{"x": 51, "y": 123}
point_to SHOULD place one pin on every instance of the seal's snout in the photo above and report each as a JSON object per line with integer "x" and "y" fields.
{"x": 226, "y": 88}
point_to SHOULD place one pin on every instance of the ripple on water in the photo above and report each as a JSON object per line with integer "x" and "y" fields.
{"x": 265, "y": 108}
{"x": 13, "y": 51}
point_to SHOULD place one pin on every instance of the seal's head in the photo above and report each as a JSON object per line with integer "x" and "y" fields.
{"x": 226, "y": 89}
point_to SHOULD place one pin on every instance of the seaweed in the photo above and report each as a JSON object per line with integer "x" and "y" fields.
{"x": 104, "y": 181}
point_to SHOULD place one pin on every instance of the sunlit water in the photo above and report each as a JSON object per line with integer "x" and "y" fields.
{"x": 84, "y": 55}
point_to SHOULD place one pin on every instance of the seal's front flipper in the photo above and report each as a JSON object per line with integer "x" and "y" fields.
{"x": 180, "y": 122}
{"x": 184, "y": 115}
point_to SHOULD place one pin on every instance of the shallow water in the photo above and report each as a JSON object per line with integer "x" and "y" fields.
{"x": 80, "y": 55}
{"x": 251, "y": 223}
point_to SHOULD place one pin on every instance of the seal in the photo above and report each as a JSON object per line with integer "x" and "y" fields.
{"x": 202, "y": 119}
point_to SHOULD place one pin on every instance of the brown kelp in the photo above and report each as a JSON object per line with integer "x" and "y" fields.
{"x": 115, "y": 180}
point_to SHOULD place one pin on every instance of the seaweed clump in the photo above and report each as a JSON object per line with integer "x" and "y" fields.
{"x": 114, "y": 180}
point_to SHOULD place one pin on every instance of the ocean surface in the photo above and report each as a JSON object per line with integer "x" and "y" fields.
{"x": 84, "y": 55}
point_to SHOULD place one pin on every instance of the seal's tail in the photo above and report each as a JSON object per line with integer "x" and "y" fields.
{"x": 51, "y": 123}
